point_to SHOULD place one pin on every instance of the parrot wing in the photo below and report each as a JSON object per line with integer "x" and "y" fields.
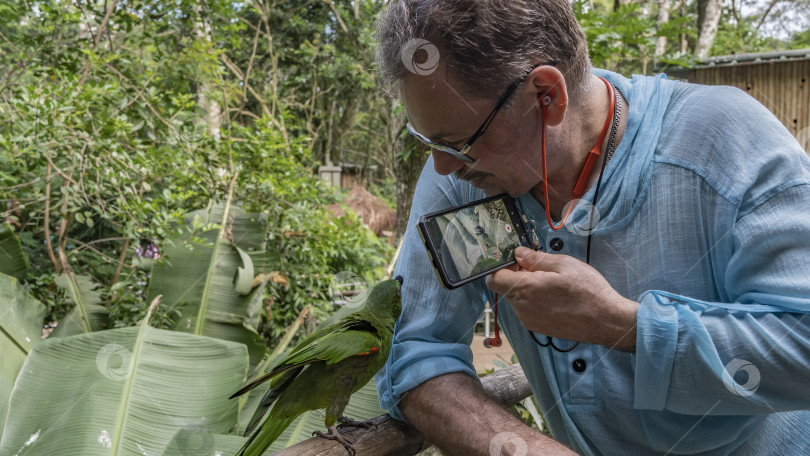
{"x": 353, "y": 337}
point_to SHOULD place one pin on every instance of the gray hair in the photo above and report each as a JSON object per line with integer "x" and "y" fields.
{"x": 485, "y": 44}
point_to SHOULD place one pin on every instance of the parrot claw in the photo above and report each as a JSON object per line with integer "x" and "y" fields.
{"x": 348, "y": 422}
{"x": 335, "y": 435}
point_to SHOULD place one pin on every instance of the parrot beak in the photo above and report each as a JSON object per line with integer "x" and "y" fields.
{"x": 401, "y": 282}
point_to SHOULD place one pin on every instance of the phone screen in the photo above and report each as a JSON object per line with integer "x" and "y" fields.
{"x": 471, "y": 241}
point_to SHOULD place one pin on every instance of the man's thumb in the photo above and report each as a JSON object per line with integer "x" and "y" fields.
{"x": 533, "y": 260}
{"x": 527, "y": 258}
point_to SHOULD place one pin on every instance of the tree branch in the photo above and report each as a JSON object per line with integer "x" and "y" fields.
{"x": 765, "y": 14}
{"x": 241, "y": 76}
{"x": 142, "y": 97}
{"x": 97, "y": 38}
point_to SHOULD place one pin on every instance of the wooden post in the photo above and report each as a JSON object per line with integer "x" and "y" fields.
{"x": 394, "y": 438}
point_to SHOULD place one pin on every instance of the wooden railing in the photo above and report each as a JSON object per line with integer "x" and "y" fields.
{"x": 394, "y": 438}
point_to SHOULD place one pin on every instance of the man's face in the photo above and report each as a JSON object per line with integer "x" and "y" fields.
{"x": 507, "y": 156}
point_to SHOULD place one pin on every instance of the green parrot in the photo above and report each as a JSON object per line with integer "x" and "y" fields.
{"x": 326, "y": 368}
{"x": 484, "y": 264}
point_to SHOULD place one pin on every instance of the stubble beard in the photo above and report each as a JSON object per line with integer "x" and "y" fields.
{"x": 469, "y": 174}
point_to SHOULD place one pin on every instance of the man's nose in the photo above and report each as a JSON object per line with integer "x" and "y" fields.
{"x": 445, "y": 163}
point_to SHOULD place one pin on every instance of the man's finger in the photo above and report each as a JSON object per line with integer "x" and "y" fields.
{"x": 505, "y": 280}
{"x": 532, "y": 260}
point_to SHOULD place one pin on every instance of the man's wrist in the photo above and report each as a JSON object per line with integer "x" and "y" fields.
{"x": 624, "y": 326}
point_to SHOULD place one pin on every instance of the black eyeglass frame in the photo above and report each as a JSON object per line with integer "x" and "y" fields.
{"x": 461, "y": 154}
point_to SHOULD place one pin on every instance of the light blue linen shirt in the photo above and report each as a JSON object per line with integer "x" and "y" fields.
{"x": 705, "y": 221}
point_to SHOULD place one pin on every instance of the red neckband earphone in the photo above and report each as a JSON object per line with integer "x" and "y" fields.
{"x": 579, "y": 190}
{"x": 590, "y": 161}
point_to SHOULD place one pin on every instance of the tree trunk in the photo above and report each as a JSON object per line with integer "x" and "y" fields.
{"x": 213, "y": 112}
{"x": 663, "y": 18}
{"x": 339, "y": 131}
{"x": 707, "y": 27}
{"x": 409, "y": 160}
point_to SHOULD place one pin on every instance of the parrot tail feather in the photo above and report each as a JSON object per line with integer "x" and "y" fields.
{"x": 261, "y": 410}
{"x": 267, "y": 401}
{"x": 258, "y": 443}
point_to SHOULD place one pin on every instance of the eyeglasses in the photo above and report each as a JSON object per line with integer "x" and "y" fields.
{"x": 461, "y": 154}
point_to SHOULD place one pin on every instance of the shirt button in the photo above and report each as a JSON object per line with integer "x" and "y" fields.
{"x": 556, "y": 244}
{"x": 579, "y": 365}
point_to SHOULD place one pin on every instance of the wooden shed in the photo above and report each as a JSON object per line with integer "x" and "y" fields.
{"x": 779, "y": 80}
{"x": 346, "y": 176}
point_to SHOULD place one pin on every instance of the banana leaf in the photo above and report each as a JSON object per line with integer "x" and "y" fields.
{"x": 88, "y": 315}
{"x": 199, "y": 441}
{"x": 214, "y": 280}
{"x": 130, "y": 391}
{"x": 20, "y": 329}
{"x": 12, "y": 258}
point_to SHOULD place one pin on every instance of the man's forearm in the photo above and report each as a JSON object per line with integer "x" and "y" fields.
{"x": 453, "y": 412}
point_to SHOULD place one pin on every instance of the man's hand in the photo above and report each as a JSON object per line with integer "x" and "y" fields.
{"x": 562, "y": 297}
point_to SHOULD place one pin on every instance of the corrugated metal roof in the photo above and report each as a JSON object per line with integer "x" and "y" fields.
{"x": 753, "y": 58}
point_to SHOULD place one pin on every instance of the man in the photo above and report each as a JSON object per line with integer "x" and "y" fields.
{"x": 665, "y": 315}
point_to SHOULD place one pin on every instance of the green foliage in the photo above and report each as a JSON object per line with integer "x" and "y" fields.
{"x": 313, "y": 247}
{"x": 106, "y": 146}
{"x": 623, "y": 39}
{"x": 800, "y": 40}
{"x": 740, "y": 35}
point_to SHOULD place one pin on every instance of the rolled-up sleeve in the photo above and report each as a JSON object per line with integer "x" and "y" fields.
{"x": 432, "y": 336}
{"x": 752, "y": 355}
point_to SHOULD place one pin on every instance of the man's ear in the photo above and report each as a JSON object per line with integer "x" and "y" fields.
{"x": 552, "y": 94}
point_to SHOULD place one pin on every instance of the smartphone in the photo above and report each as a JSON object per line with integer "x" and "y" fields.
{"x": 468, "y": 242}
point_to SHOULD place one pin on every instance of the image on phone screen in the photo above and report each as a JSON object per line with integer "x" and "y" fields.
{"x": 473, "y": 240}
